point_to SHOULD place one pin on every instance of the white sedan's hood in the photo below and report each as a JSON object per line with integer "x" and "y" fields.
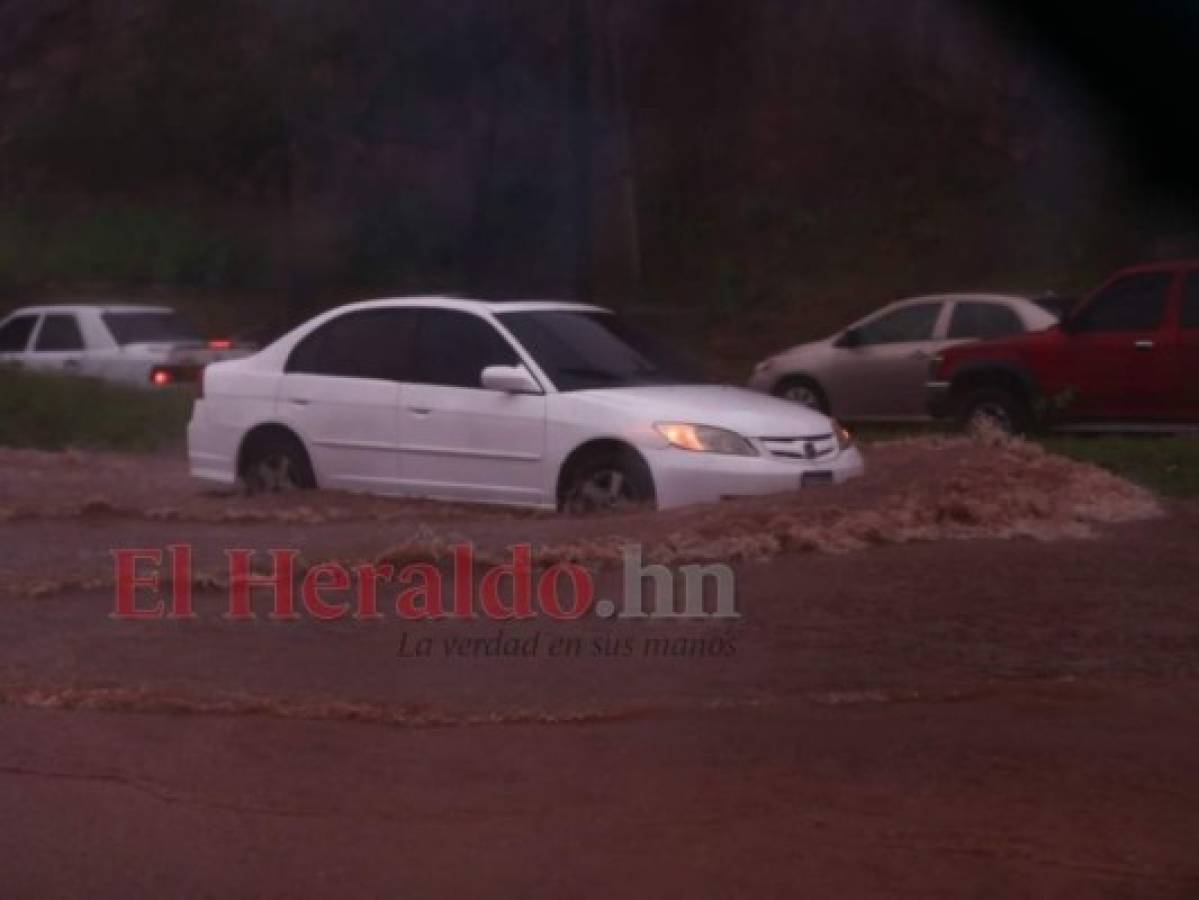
{"x": 748, "y": 413}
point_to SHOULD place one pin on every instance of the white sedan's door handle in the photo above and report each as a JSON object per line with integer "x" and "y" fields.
{"x": 420, "y": 410}
{"x": 299, "y": 401}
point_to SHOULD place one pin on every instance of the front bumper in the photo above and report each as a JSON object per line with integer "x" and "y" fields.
{"x": 682, "y": 478}
{"x": 938, "y": 399}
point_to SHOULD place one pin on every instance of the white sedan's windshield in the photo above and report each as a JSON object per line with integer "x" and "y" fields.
{"x": 581, "y": 350}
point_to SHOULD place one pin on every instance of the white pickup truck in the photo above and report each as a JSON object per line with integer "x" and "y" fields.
{"x": 151, "y": 346}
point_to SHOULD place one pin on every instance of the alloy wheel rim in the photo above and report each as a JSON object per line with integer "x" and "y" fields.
{"x": 994, "y": 415}
{"x": 274, "y": 474}
{"x": 605, "y": 489}
{"x": 802, "y": 395}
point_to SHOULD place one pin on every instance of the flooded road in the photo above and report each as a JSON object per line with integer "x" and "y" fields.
{"x": 973, "y": 673}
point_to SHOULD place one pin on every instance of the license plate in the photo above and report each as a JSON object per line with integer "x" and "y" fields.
{"x": 814, "y": 479}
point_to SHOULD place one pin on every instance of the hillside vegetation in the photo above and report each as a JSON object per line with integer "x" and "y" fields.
{"x": 809, "y": 160}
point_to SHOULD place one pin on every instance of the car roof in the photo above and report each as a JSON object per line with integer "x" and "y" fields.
{"x": 464, "y": 303}
{"x": 90, "y": 307}
{"x": 966, "y": 295}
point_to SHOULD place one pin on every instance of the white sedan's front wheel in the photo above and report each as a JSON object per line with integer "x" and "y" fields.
{"x": 607, "y": 482}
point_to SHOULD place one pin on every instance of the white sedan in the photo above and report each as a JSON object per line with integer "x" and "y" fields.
{"x": 148, "y": 346}
{"x": 549, "y": 405}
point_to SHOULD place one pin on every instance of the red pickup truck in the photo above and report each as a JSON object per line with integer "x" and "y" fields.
{"x": 1125, "y": 358}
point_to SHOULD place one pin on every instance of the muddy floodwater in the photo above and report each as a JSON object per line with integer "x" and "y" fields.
{"x": 974, "y": 672}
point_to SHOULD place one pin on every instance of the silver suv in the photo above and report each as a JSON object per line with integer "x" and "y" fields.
{"x": 876, "y": 369}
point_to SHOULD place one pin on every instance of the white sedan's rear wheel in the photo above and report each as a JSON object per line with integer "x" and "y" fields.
{"x": 276, "y": 463}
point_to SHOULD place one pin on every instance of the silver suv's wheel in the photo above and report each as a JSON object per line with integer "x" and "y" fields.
{"x": 803, "y": 391}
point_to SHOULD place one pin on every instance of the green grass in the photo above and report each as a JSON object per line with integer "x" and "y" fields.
{"x": 1168, "y": 465}
{"x": 52, "y": 412}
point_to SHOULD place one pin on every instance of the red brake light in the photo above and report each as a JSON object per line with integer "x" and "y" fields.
{"x": 220, "y": 344}
{"x": 161, "y": 377}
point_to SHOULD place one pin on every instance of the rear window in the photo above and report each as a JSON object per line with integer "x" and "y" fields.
{"x": 981, "y": 321}
{"x": 14, "y": 334}
{"x": 150, "y": 328}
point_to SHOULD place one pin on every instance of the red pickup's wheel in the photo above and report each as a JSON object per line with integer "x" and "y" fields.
{"x": 990, "y": 407}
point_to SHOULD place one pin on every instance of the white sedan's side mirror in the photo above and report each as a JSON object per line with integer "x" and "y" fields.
{"x": 510, "y": 379}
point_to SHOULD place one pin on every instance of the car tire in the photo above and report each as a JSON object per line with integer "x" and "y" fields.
{"x": 607, "y": 481}
{"x": 995, "y": 407}
{"x": 274, "y": 463}
{"x": 804, "y": 391}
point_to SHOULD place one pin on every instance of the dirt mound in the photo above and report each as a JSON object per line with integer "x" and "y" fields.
{"x": 932, "y": 489}
{"x": 922, "y": 489}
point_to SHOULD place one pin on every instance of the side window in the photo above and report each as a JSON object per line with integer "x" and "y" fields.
{"x": 981, "y": 321}
{"x": 905, "y": 325}
{"x": 1189, "y": 318}
{"x": 1134, "y": 303}
{"x": 453, "y": 348}
{"x": 14, "y": 335}
{"x": 375, "y": 343}
{"x": 59, "y": 334}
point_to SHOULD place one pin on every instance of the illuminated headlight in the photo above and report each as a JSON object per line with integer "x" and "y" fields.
{"x": 844, "y": 438}
{"x": 705, "y": 439}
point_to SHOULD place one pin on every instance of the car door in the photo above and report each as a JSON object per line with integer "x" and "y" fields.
{"x": 1187, "y": 352}
{"x": 459, "y": 440}
{"x": 15, "y": 335}
{"x": 57, "y": 345}
{"x": 1121, "y": 356}
{"x": 880, "y": 366}
{"x": 340, "y": 392}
